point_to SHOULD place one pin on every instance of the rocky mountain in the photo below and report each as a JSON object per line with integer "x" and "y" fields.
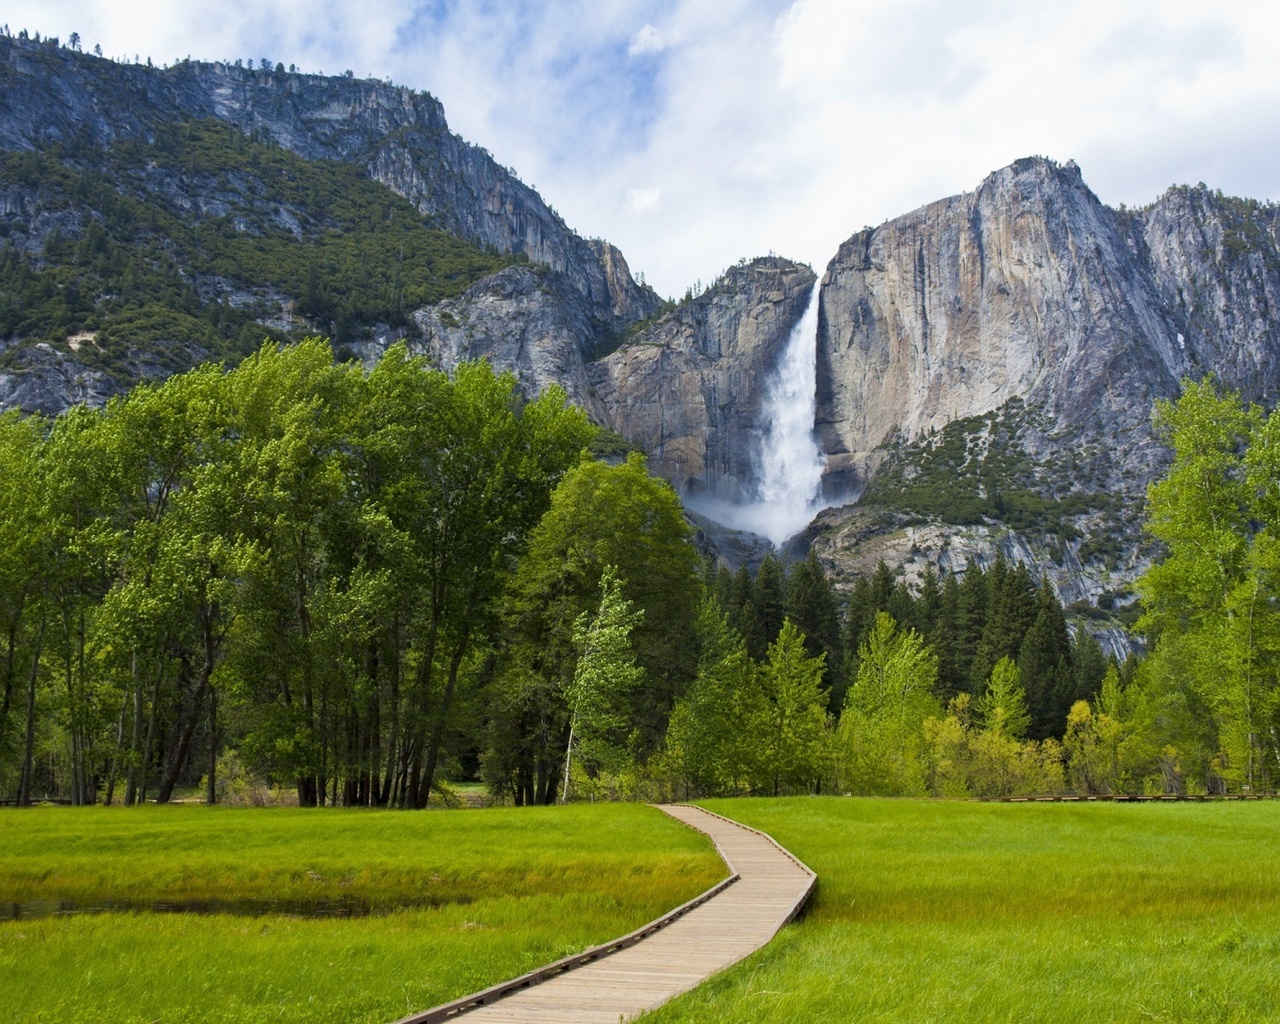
{"x": 991, "y": 361}
{"x": 1030, "y": 288}
{"x": 986, "y": 365}
{"x": 688, "y": 388}
{"x": 127, "y": 127}
{"x": 400, "y": 137}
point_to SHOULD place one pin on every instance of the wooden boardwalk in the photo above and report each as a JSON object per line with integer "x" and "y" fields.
{"x": 769, "y": 889}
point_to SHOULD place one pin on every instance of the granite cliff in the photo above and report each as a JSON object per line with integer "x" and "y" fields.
{"x": 1030, "y": 288}
{"x": 986, "y": 365}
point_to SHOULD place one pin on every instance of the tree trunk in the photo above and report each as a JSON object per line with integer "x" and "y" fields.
{"x": 211, "y": 786}
{"x": 28, "y": 764}
{"x": 115, "y": 758}
{"x": 131, "y": 780}
{"x": 174, "y": 769}
{"x": 145, "y": 761}
{"x": 442, "y": 714}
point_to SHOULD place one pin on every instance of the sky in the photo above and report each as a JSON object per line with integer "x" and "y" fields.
{"x": 693, "y": 133}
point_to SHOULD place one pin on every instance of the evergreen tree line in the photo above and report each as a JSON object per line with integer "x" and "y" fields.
{"x": 961, "y": 686}
{"x": 970, "y": 620}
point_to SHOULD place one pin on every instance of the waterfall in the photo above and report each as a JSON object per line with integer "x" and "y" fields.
{"x": 789, "y": 463}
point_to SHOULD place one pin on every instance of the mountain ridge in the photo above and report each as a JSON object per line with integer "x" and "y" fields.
{"x": 986, "y": 362}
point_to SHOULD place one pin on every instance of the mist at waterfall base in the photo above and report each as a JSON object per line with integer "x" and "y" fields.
{"x": 789, "y": 463}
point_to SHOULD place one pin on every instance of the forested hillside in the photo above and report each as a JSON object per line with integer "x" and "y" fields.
{"x": 144, "y": 259}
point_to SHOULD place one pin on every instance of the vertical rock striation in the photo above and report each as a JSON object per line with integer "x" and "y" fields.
{"x": 688, "y": 388}
{"x": 1026, "y": 288}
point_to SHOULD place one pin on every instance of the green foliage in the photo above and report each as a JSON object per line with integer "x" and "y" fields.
{"x": 1210, "y": 606}
{"x": 793, "y": 731}
{"x": 975, "y": 469}
{"x": 599, "y": 516}
{"x": 989, "y": 762}
{"x": 604, "y": 680}
{"x": 714, "y": 742}
{"x": 293, "y": 559}
{"x": 1004, "y": 706}
{"x": 159, "y": 235}
{"x": 880, "y": 740}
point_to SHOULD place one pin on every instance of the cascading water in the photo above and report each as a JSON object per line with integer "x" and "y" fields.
{"x": 789, "y": 462}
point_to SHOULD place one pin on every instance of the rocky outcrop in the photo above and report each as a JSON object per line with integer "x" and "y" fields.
{"x": 1027, "y": 287}
{"x": 688, "y": 388}
{"x": 50, "y": 94}
{"x": 523, "y": 319}
{"x": 1216, "y": 266}
{"x": 852, "y": 541}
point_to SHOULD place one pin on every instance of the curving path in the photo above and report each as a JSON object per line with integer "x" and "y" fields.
{"x": 662, "y": 960}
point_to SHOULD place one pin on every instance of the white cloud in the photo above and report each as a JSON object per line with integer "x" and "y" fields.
{"x": 775, "y": 125}
{"x": 642, "y": 200}
{"x": 648, "y": 40}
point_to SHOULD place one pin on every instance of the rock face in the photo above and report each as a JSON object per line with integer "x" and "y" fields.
{"x": 50, "y": 94}
{"x": 688, "y": 388}
{"x": 526, "y": 319}
{"x": 1028, "y": 287}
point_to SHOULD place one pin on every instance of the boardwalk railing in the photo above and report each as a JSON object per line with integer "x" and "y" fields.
{"x": 447, "y": 1011}
{"x": 803, "y": 899}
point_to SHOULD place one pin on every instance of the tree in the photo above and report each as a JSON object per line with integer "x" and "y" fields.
{"x": 1003, "y": 707}
{"x": 22, "y": 587}
{"x": 604, "y": 678}
{"x": 881, "y": 728}
{"x": 1211, "y": 603}
{"x": 768, "y": 599}
{"x": 599, "y": 515}
{"x": 716, "y": 731}
{"x": 1044, "y": 659}
{"x": 794, "y": 713}
{"x": 811, "y": 605}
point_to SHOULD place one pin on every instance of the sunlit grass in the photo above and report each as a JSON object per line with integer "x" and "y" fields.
{"x": 948, "y": 911}
{"x": 511, "y": 888}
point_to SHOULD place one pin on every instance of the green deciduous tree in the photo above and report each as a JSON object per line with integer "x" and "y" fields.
{"x": 880, "y": 740}
{"x": 604, "y": 679}
{"x": 793, "y": 733}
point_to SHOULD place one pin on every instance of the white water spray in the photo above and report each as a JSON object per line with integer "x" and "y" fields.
{"x": 789, "y": 463}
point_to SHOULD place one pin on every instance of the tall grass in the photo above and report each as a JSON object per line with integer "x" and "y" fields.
{"x": 508, "y": 889}
{"x": 957, "y": 912}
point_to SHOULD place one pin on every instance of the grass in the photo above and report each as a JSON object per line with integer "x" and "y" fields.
{"x": 957, "y": 912}
{"x": 490, "y": 894}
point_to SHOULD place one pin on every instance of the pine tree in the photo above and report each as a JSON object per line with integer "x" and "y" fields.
{"x": 945, "y": 640}
{"x": 796, "y": 712}
{"x": 1011, "y": 611}
{"x": 1004, "y": 707}
{"x": 929, "y": 604}
{"x": 811, "y": 605}
{"x": 769, "y": 595}
{"x": 1044, "y": 658}
{"x": 972, "y": 620}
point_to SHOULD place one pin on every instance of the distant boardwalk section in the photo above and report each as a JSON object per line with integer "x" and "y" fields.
{"x": 767, "y": 888}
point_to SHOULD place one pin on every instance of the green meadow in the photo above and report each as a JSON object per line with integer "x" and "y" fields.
{"x": 925, "y": 910}
{"x": 957, "y": 911}
{"x": 459, "y": 900}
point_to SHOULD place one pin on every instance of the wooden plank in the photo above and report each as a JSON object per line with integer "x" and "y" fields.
{"x": 767, "y": 887}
